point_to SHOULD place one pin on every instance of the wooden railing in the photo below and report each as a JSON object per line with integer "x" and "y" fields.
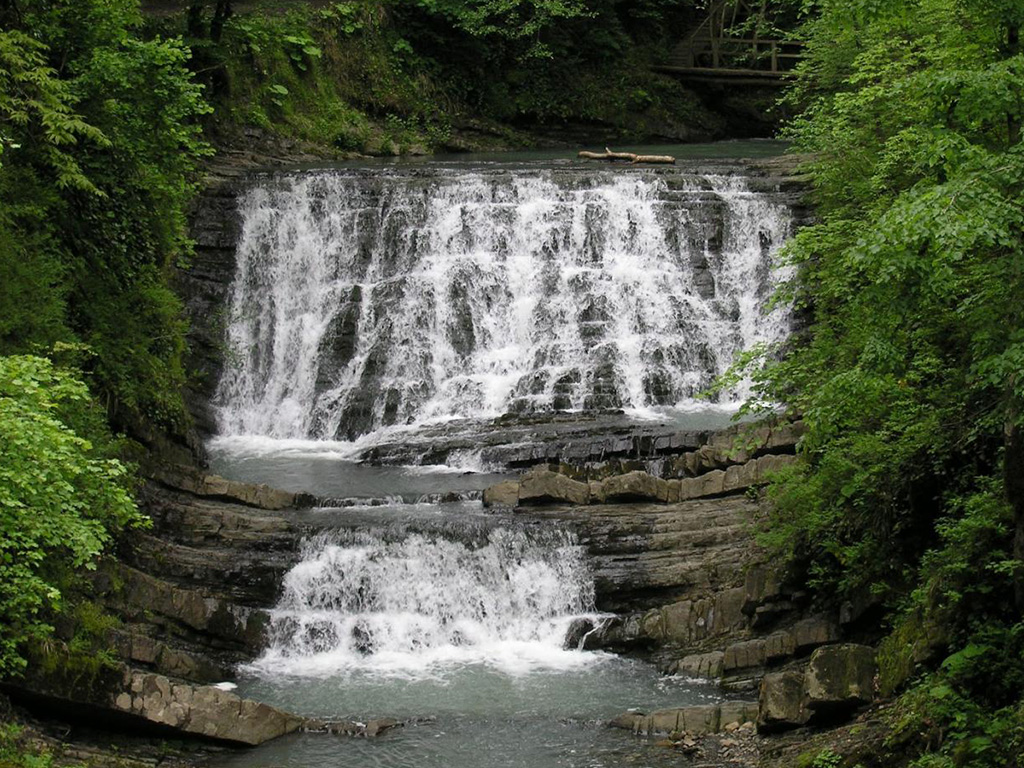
{"x": 713, "y": 50}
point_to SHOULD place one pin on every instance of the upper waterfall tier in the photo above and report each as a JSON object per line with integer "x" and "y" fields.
{"x": 366, "y": 299}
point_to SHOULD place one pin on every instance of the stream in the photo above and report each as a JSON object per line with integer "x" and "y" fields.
{"x": 404, "y": 335}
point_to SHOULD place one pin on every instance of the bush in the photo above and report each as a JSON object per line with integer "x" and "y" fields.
{"x": 61, "y": 499}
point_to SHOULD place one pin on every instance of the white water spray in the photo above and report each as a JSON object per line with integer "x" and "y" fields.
{"x": 366, "y": 300}
{"x": 418, "y": 604}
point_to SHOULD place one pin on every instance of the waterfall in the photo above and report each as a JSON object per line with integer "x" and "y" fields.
{"x": 406, "y": 602}
{"x": 364, "y": 299}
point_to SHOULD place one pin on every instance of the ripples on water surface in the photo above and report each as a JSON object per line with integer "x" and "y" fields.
{"x": 480, "y": 717}
{"x": 461, "y": 634}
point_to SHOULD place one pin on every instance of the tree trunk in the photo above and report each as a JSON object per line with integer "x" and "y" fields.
{"x": 194, "y": 19}
{"x": 1013, "y": 117}
{"x": 1013, "y": 474}
{"x": 221, "y": 13}
{"x": 627, "y": 156}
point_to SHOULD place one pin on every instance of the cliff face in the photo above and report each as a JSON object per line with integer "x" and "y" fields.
{"x": 203, "y": 286}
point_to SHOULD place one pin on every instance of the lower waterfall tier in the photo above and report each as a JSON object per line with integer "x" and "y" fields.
{"x": 390, "y": 601}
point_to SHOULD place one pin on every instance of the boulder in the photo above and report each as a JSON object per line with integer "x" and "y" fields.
{"x": 736, "y": 713}
{"x": 201, "y": 710}
{"x": 780, "y": 705}
{"x": 786, "y": 435}
{"x": 504, "y": 494}
{"x": 618, "y": 634}
{"x": 768, "y": 465}
{"x": 632, "y": 486}
{"x": 542, "y": 486}
{"x": 739, "y": 477}
{"x": 706, "y": 665}
{"x": 577, "y": 633}
{"x": 813, "y": 632}
{"x": 839, "y": 677}
{"x": 778, "y": 646}
{"x": 709, "y": 484}
{"x": 745, "y": 655}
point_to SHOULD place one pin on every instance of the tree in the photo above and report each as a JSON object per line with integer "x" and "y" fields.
{"x": 910, "y": 374}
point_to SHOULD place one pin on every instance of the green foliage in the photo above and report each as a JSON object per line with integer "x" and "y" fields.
{"x": 515, "y": 20}
{"x": 826, "y": 759}
{"x": 909, "y": 373}
{"x": 909, "y": 377}
{"x": 36, "y": 105}
{"x": 61, "y": 500}
{"x": 334, "y": 75}
{"x": 16, "y": 752}
{"x": 936, "y": 725}
{"x": 101, "y": 136}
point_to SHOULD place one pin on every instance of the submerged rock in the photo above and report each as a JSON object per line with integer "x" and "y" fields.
{"x": 694, "y": 721}
{"x": 369, "y": 730}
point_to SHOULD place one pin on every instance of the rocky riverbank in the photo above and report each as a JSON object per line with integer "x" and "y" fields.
{"x": 673, "y": 557}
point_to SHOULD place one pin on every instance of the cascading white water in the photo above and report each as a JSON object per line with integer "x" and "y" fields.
{"x": 364, "y": 601}
{"x": 365, "y": 300}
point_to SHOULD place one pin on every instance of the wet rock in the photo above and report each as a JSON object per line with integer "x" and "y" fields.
{"x": 577, "y": 633}
{"x": 379, "y": 726}
{"x": 626, "y": 721}
{"x": 692, "y": 721}
{"x": 632, "y": 486}
{"x": 202, "y": 484}
{"x": 504, "y": 494}
{"x": 706, "y": 665}
{"x": 839, "y": 678}
{"x": 369, "y": 730}
{"x": 201, "y": 710}
{"x": 620, "y": 634}
{"x": 780, "y": 705}
{"x": 542, "y": 486}
{"x": 362, "y": 639}
{"x": 241, "y": 626}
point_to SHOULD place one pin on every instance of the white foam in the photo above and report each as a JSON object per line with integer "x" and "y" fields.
{"x": 474, "y": 293}
{"x": 422, "y": 606}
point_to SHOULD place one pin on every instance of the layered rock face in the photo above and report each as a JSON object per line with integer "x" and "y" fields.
{"x": 189, "y": 597}
{"x": 675, "y": 558}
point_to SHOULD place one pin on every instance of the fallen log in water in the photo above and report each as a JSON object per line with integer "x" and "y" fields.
{"x": 628, "y": 156}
